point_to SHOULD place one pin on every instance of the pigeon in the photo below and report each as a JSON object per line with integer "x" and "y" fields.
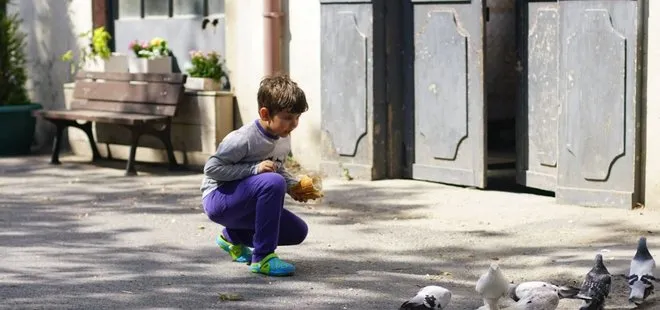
{"x": 522, "y": 290}
{"x": 492, "y": 285}
{"x": 429, "y": 297}
{"x": 596, "y": 286}
{"x": 538, "y": 298}
{"x": 641, "y": 274}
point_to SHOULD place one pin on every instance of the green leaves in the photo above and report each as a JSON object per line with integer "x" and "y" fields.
{"x": 12, "y": 59}
{"x": 100, "y": 39}
{"x": 209, "y": 65}
{"x": 97, "y": 48}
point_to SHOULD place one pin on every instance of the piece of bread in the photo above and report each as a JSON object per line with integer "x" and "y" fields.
{"x": 308, "y": 188}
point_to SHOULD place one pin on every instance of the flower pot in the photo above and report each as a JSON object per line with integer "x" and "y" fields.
{"x": 116, "y": 63}
{"x": 198, "y": 83}
{"x": 144, "y": 65}
{"x": 17, "y": 126}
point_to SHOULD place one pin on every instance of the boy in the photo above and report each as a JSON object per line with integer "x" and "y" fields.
{"x": 245, "y": 181}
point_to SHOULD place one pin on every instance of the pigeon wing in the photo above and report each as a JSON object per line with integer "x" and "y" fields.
{"x": 605, "y": 284}
{"x": 482, "y": 283}
{"x": 413, "y": 305}
{"x": 588, "y": 284}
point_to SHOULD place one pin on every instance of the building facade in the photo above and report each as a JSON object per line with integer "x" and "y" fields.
{"x": 443, "y": 91}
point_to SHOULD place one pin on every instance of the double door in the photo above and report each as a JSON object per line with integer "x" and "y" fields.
{"x": 578, "y": 94}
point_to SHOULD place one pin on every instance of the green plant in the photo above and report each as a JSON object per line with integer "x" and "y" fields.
{"x": 98, "y": 47}
{"x": 12, "y": 59}
{"x": 209, "y": 65}
{"x": 156, "y": 48}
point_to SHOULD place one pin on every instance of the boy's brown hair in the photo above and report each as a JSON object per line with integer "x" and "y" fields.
{"x": 279, "y": 93}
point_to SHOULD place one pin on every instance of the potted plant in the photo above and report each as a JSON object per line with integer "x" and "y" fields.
{"x": 207, "y": 72}
{"x": 17, "y": 123}
{"x": 152, "y": 57}
{"x": 97, "y": 57}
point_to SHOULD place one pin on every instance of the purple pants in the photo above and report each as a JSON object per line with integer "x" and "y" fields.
{"x": 252, "y": 211}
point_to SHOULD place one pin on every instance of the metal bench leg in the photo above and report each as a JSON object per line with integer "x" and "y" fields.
{"x": 57, "y": 143}
{"x": 87, "y": 128}
{"x": 130, "y": 165}
{"x": 166, "y": 136}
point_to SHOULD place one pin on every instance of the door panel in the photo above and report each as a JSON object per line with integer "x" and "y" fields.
{"x": 538, "y": 130}
{"x": 598, "y": 161}
{"x": 449, "y": 93}
{"x": 352, "y": 117}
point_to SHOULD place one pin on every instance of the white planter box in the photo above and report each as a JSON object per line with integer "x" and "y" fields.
{"x": 197, "y": 83}
{"x": 144, "y": 65}
{"x": 116, "y": 63}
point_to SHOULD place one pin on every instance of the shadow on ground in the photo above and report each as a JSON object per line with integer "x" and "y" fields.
{"x": 81, "y": 237}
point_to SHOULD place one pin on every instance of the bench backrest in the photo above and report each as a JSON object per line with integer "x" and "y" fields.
{"x": 140, "y": 93}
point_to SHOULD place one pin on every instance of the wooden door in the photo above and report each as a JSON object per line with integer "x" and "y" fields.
{"x": 449, "y": 104}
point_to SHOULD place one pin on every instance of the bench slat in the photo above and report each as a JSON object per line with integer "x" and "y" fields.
{"x": 124, "y": 107}
{"x": 101, "y": 116}
{"x": 154, "y": 93}
{"x": 170, "y": 78}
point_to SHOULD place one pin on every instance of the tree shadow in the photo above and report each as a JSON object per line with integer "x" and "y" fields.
{"x": 82, "y": 237}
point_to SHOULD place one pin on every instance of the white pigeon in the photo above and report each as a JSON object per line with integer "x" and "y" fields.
{"x": 429, "y": 297}
{"x": 641, "y": 274}
{"x": 596, "y": 286}
{"x": 491, "y": 286}
{"x": 522, "y": 290}
{"x": 539, "y": 298}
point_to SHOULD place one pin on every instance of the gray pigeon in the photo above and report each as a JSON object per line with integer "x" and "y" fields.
{"x": 641, "y": 274}
{"x": 522, "y": 290}
{"x": 491, "y": 286}
{"x": 429, "y": 297}
{"x": 596, "y": 286}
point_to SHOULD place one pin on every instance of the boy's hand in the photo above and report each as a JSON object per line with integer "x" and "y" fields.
{"x": 296, "y": 197}
{"x": 266, "y": 166}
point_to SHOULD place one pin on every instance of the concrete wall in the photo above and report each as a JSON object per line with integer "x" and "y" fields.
{"x": 52, "y": 27}
{"x": 305, "y": 67}
{"x": 652, "y": 111}
{"x": 245, "y": 59}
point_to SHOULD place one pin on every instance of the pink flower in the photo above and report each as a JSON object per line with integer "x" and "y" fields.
{"x": 145, "y": 45}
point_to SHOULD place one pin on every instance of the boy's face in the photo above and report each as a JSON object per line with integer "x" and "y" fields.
{"x": 282, "y": 124}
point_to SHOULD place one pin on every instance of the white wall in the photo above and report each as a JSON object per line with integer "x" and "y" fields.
{"x": 652, "y": 173}
{"x": 51, "y": 27}
{"x": 245, "y": 59}
{"x": 305, "y": 68}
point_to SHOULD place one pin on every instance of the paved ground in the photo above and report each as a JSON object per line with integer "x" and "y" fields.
{"x": 81, "y": 236}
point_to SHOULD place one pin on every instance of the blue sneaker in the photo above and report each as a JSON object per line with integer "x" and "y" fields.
{"x": 238, "y": 252}
{"x": 271, "y": 265}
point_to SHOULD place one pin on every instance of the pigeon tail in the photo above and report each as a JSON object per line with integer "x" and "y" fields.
{"x": 568, "y": 292}
{"x": 642, "y": 253}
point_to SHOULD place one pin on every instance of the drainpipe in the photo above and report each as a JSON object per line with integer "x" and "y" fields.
{"x": 272, "y": 32}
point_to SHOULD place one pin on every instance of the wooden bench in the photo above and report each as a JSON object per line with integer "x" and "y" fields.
{"x": 142, "y": 102}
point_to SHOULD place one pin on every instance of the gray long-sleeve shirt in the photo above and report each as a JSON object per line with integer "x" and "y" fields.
{"x": 239, "y": 154}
